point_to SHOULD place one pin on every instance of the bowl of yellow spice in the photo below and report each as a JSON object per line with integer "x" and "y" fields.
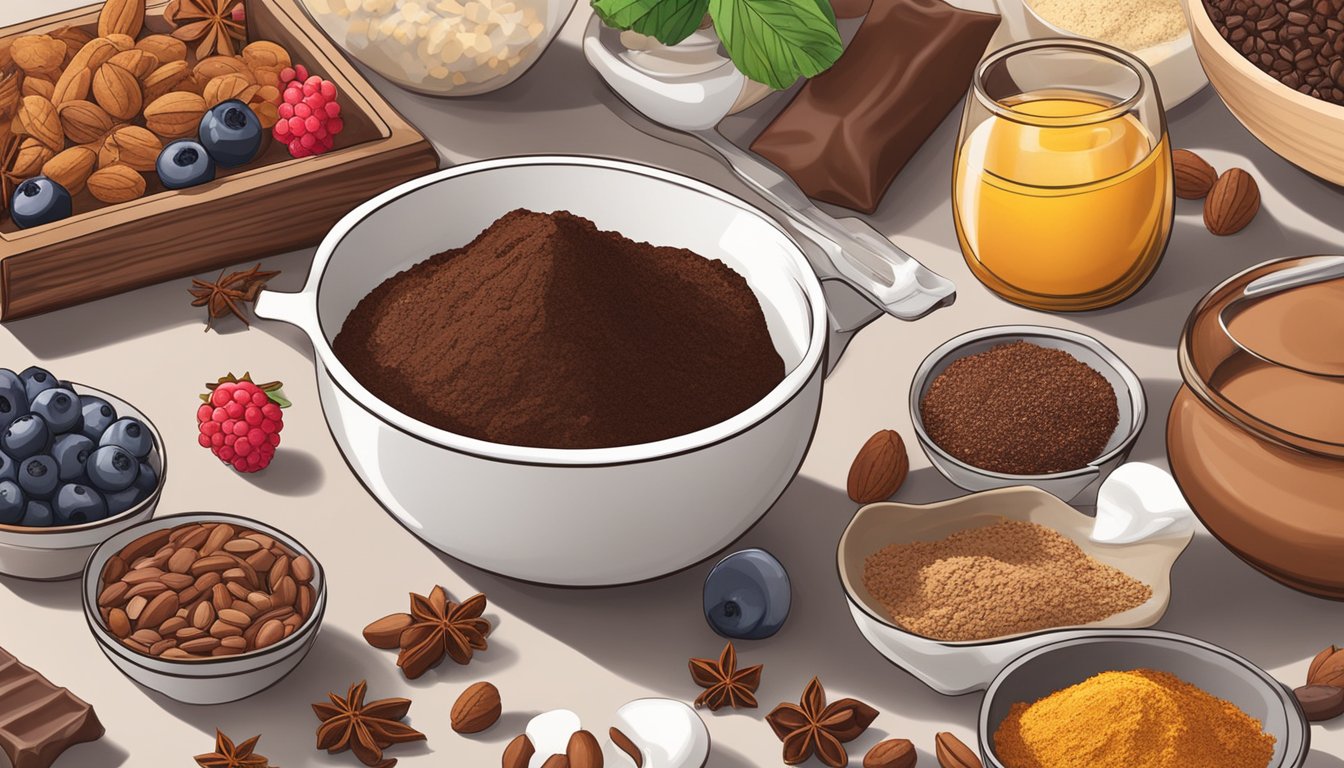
{"x": 1140, "y": 699}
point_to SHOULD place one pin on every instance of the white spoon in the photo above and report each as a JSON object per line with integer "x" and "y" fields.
{"x": 1138, "y": 501}
{"x": 694, "y": 101}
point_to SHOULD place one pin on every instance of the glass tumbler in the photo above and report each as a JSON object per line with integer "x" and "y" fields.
{"x": 1062, "y": 182}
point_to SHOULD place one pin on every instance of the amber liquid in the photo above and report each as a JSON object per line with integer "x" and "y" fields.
{"x": 1065, "y": 216}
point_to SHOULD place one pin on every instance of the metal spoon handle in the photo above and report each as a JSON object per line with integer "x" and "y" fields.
{"x": 1295, "y": 277}
{"x": 862, "y": 256}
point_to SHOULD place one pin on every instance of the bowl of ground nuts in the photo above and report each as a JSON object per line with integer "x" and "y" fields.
{"x": 204, "y": 608}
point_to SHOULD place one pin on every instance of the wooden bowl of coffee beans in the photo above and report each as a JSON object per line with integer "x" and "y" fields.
{"x": 1279, "y": 67}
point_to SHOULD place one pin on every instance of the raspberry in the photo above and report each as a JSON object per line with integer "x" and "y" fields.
{"x": 310, "y": 116}
{"x": 240, "y": 422}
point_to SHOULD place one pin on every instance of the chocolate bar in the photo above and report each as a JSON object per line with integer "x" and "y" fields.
{"x": 39, "y": 721}
{"x": 851, "y": 129}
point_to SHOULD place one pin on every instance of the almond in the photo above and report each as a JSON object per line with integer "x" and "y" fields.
{"x": 165, "y": 79}
{"x": 230, "y": 86}
{"x": 122, "y": 42}
{"x": 214, "y": 66}
{"x": 133, "y": 146}
{"x": 74, "y": 38}
{"x": 137, "y": 62}
{"x": 476, "y": 709}
{"x": 11, "y": 87}
{"x": 892, "y": 753}
{"x": 73, "y": 85}
{"x": 116, "y": 183}
{"x": 879, "y": 468}
{"x": 32, "y": 155}
{"x": 556, "y": 761}
{"x": 38, "y": 54}
{"x": 165, "y": 48}
{"x": 116, "y": 89}
{"x": 38, "y": 117}
{"x": 1232, "y": 202}
{"x": 1192, "y": 174}
{"x": 93, "y": 55}
{"x": 953, "y": 752}
{"x": 583, "y": 751}
{"x": 175, "y": 115}
{"x": 386, "y": 632}
{"x": 38, "y": 86}
{"x": 264, "y": 53}
{"x": 627, "y": 745}
{"x": 518, "y": 754}
{"x": 159, "y": 610}
{"x": 84, "y": 121}
{"x": 122, "y": 17}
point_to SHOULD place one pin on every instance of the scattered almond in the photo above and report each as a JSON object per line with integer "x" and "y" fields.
{"x": 583, "y": 751}
{"x": 1192, "y": 174}
{"x": 175, "y": 115}
{"x": 518, "y": 754}
{"x": 953, "y": 752}
{"x": 476, "y": 709}
{"x": 84, "y": 122}
{"x": 116, "y": 183}
{"x": 123, "y": 17}
{"x": 133, "y": 146}
{"x": 386, "y": 632}
{"x": 117, "y": 91}
{"x": 1232, "y": 202}
{"x": 626, "y": 745}
{"x": 165, "y": 79}
{"x": 892, "y": 753}
{"x": 165, "y": 48}
{"x": 879, "y": 469}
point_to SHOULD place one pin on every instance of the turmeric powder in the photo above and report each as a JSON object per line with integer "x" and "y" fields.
{"x": 1138, "y": 719}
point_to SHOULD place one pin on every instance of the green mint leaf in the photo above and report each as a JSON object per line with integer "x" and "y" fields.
{"x": 668, "y": 21}
{"x": 277, "y": 396}
{"x": 777, "y": 41}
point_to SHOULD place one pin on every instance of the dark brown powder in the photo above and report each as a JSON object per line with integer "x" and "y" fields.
{"x": 547, "y": 332}
{"x": 1021, "y": 409}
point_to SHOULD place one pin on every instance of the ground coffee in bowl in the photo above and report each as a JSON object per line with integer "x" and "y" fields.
{"x": 548, "y": 332}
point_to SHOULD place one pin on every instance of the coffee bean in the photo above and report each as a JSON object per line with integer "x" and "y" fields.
{"x": 1299, "y": 42}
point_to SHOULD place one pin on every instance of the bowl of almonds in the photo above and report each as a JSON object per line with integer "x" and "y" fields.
{"x": 204, "y": 607}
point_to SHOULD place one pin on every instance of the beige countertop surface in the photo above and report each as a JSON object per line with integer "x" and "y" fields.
{"x": 593, "y": 650}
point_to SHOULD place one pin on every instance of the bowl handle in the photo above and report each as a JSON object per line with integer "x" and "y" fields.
{"x": 299, "y": 309}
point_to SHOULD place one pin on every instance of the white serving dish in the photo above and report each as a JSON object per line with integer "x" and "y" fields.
{"x": 1175, "y": 64}
{"x": 59, "y": 552}
{"x": 208, "y": 681}
{"x": 570, "y": 517}
{"x": 960, "y": 667}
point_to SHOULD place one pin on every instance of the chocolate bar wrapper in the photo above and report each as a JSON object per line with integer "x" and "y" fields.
{"x": 39, "y": 721}
{"x": 850, "y": 130}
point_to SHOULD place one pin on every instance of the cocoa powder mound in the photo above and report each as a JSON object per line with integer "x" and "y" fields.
{"x": 548, "y": 332}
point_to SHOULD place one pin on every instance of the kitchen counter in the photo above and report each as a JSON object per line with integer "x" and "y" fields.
{"x": 593, "y": 650}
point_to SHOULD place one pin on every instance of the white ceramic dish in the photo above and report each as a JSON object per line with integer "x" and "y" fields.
{"x": 1175, "y": 64}
{"x": 59, "y": 552}
{"x": 960, "y": 667}
{"x": 1042, "y": 671}
{"x": 209, "y": 681}
{"x": 1078, "y": 486}
{"x": 568, "y": 517}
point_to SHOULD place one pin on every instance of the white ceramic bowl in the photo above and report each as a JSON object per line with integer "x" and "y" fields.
{"x": 1079, "y": 485}
{"x": 59, "y": 552}
{"x": 959, "y": 667}
{"x": 568, "y": 517}
{"x": 208, "y": 681}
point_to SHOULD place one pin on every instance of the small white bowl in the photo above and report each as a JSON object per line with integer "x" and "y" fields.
{"x": 59, "y": 552}
{"x": 207, "y": 681}
{"x": 955, "y": 668}
{"x": 1078, "y": 486}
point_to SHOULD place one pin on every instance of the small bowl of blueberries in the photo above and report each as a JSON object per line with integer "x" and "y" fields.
{"x": 77, "y": 465}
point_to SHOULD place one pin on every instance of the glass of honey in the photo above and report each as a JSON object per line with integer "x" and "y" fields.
{"x": 1062, "y": 183}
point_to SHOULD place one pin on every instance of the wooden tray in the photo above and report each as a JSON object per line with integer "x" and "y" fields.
{"x": 271, "y": 206}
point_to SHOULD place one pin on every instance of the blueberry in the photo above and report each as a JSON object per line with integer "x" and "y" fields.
{"x": 231, "y": 133}
{"x": 98, "y": 416}
{"x": 13, "y": 397}
{"x": 185, "y": 163}
{"x": 112, "y": 468}
{"x": 11, "y": 502}
{"x": 9, "y": 470}
{"x": 120, "y": 501}
{"x": 60, "y": 408}
{"x": 71, "y": 452}
{"x": 37, "y": 514}
{"x": 39, "y": 201}
{"x": 26, "y": 436}
{"x": 147, "y": 480}
{"x": 76, "y": 504}
{"x": 129, "y": 433}
{"x": 37, "y": 380}
{"x": 39, "y": 476}
{"x": 747, "y": 595}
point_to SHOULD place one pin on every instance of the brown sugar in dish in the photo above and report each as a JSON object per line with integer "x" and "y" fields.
{"x": 1021, "y": 409}
{"x": 548, "y": 332}
{"x": 1007, "y": 578}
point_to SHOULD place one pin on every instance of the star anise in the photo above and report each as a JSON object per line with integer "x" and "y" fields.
{"x": 364, "y": 729}
{"x": 811, "y": 727}
{"x": 228, "y": 755}
{"x": 442, "y": 628}
{"x": 226, "y": 295}
{"x": 215, "y": 26}
{"x": 724, "y": 683}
